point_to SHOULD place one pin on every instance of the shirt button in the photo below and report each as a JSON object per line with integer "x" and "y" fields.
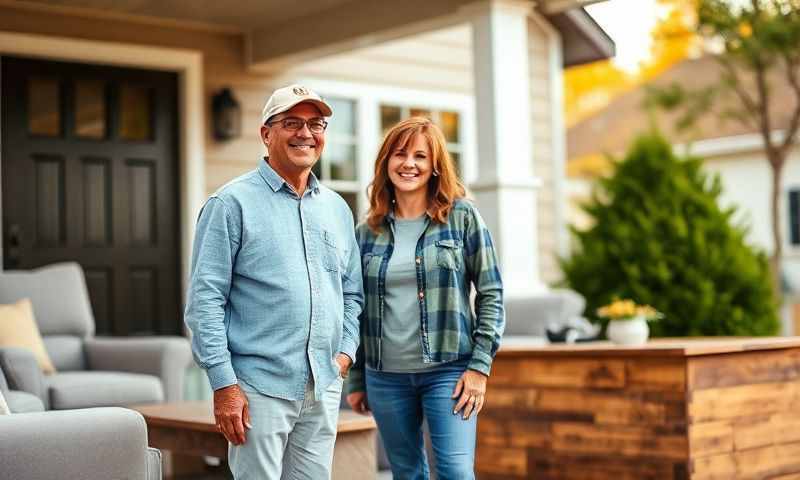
{"x": 419, "y": 260}
{"x": 421, "y": 294}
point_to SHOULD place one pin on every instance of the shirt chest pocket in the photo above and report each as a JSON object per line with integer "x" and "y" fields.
{"x": 448, "y": 254}
{"x": 330, "y": 253}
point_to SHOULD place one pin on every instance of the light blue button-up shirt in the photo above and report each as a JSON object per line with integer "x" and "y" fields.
{"x": 275, "y": 289}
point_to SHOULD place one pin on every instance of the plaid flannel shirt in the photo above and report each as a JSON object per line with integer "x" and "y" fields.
{"x": 450, "y": 258}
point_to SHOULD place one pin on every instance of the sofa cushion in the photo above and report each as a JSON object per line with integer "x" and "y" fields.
{"x": 96, "y": 389}
{"x": 23, "y": 402}
{"x": 18, "y": 329}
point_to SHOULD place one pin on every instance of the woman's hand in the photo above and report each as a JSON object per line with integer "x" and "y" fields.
{"x": 472, "y": 389}
{"x": 358, "y": 402}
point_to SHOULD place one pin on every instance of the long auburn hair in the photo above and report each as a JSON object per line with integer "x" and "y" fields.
{"x": 443, "y": 189}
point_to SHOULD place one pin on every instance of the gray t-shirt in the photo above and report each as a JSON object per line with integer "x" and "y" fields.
{"x": 402, "y": 339}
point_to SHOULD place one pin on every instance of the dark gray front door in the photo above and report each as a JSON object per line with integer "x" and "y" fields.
{"x": 89, "y": 173}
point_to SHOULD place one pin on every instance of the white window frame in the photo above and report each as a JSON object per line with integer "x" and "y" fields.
{"x": 369, "y": 97}
{"x": 436, "y": 116}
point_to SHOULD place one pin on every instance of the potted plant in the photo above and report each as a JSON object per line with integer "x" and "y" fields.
{"x": 627, "y": 321}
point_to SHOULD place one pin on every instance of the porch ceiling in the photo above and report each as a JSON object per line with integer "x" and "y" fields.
{"x": 331, "y": 26}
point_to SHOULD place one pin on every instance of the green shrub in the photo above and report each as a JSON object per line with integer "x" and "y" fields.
{"x": 659, "y": 237}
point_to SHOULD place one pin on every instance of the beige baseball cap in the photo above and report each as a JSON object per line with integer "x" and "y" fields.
{"x": 285, "y": 98}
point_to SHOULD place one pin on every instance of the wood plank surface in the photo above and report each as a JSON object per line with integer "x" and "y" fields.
{"x": 199, "y": 416}
{"x": 658, "y": 347}
{"x": 716, "y": 371}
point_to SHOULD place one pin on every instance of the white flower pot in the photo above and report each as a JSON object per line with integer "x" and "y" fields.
{"x": 633, "y": 331}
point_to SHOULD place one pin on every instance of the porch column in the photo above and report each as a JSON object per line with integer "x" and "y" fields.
{"x": 506, "y": 186}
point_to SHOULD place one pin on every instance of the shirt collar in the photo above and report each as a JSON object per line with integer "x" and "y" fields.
{"x": 276, "y": 182}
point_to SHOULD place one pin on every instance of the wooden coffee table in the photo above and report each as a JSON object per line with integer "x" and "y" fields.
{"x": 188, "y": 428}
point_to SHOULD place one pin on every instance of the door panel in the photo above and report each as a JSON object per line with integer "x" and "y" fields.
{"x": 89, "y": 174}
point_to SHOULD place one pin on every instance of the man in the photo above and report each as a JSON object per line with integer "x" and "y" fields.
{"x": 274, "y": 299}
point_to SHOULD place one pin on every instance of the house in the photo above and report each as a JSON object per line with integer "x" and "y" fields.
{"x": 107, "y": 145}
{"x": 729, "y": 149}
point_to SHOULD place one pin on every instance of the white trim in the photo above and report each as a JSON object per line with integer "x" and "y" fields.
{"x": 369, "y": 97}
{"x": 749, "y": 142}
{"x": 189, "y": 66}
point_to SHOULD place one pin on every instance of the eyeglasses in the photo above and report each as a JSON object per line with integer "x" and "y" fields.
{"x": 315, "y": 125}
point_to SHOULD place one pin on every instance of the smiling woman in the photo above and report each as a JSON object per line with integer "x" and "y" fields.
{"x": 423, "y": 249}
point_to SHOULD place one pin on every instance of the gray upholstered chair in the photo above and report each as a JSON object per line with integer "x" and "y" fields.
{"x": 90, "y": 444}
{"x": 530, "y": 316}
{"x": 91, "y": 371}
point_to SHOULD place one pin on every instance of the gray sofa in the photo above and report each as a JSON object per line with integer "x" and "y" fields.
{"x": 89, "y": 444}
{"x": 91, "y": 371}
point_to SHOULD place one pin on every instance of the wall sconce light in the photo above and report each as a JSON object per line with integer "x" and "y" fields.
{"x": 227, "y": 115}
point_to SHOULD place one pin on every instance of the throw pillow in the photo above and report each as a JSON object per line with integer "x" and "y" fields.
{"x": 18, "y": 329}
{"x": 4, "y": 410}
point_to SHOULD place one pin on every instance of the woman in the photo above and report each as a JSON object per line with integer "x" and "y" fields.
{"x": 423, "y": 352}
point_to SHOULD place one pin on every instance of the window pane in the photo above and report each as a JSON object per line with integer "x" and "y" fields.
{"x": 352, "y": 201}
{"x": 136, "y": 118}
{"x": 342, "y": 160}
{"x": 390, "y": 115}
{"x": 343, "y": 120}
{"x": 44, "y": 112}
{"x": 420, "y": 112}
{"x": 457, "y": 161}
{"x": 317, "y": 168}
{"x": 450, "y": 126}
{"x": 90, "y": 109}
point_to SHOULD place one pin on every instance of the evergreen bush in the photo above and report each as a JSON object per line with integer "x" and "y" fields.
{"x": 660, "y": 238}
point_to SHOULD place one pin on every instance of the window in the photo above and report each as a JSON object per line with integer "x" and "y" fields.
{"x": 794, "y": 217}
{"x": 448, "y": 121}
{"x": 337, "y": 167}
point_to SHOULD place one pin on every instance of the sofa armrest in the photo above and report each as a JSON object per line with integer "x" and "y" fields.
{"x": 22, "y": 372}
{"x": 164, "y": 357}
{"x": 154, "y": 464}
{"x": 3, "y": 383}
{"x": 90, "y": 444}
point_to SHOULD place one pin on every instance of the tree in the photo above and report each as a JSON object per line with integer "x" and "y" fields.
{"x": 673, "y": 38}
{"x": 659, "y": 237}
{"x": 756, "y": 44}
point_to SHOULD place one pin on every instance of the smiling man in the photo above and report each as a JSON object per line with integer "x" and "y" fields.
{"x": 274, "y": 299}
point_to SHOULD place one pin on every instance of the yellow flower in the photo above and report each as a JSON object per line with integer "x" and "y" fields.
{"x": 745, "y": 30}
{"x": 619, "y": 309}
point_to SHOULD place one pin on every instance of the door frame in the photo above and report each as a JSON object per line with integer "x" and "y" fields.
{"x": 188, "y": 64}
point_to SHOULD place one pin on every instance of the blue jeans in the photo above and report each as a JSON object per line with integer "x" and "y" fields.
{"x": 400, "y": 401}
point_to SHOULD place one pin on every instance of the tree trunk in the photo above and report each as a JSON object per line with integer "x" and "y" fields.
{"x": 776, "y": 161}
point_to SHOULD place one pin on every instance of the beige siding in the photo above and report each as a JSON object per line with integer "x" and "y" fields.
{"x": 543, "y": 161}
{"x": 439, "y": 61}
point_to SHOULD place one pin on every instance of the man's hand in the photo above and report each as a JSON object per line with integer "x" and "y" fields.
{"x": 358, "y": 402}
{"x": 232, "y": 413}
{"x": 471, "y": 387}
{"x": 344, "y": 364}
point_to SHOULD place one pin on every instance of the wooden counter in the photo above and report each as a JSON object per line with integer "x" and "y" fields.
{"x": 676, "y": 408}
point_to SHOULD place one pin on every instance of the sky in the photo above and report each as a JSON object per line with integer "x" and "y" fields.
{"x": 628, "y": 23}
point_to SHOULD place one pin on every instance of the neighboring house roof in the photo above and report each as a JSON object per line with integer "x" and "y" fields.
{"x": 612, "y": 130}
